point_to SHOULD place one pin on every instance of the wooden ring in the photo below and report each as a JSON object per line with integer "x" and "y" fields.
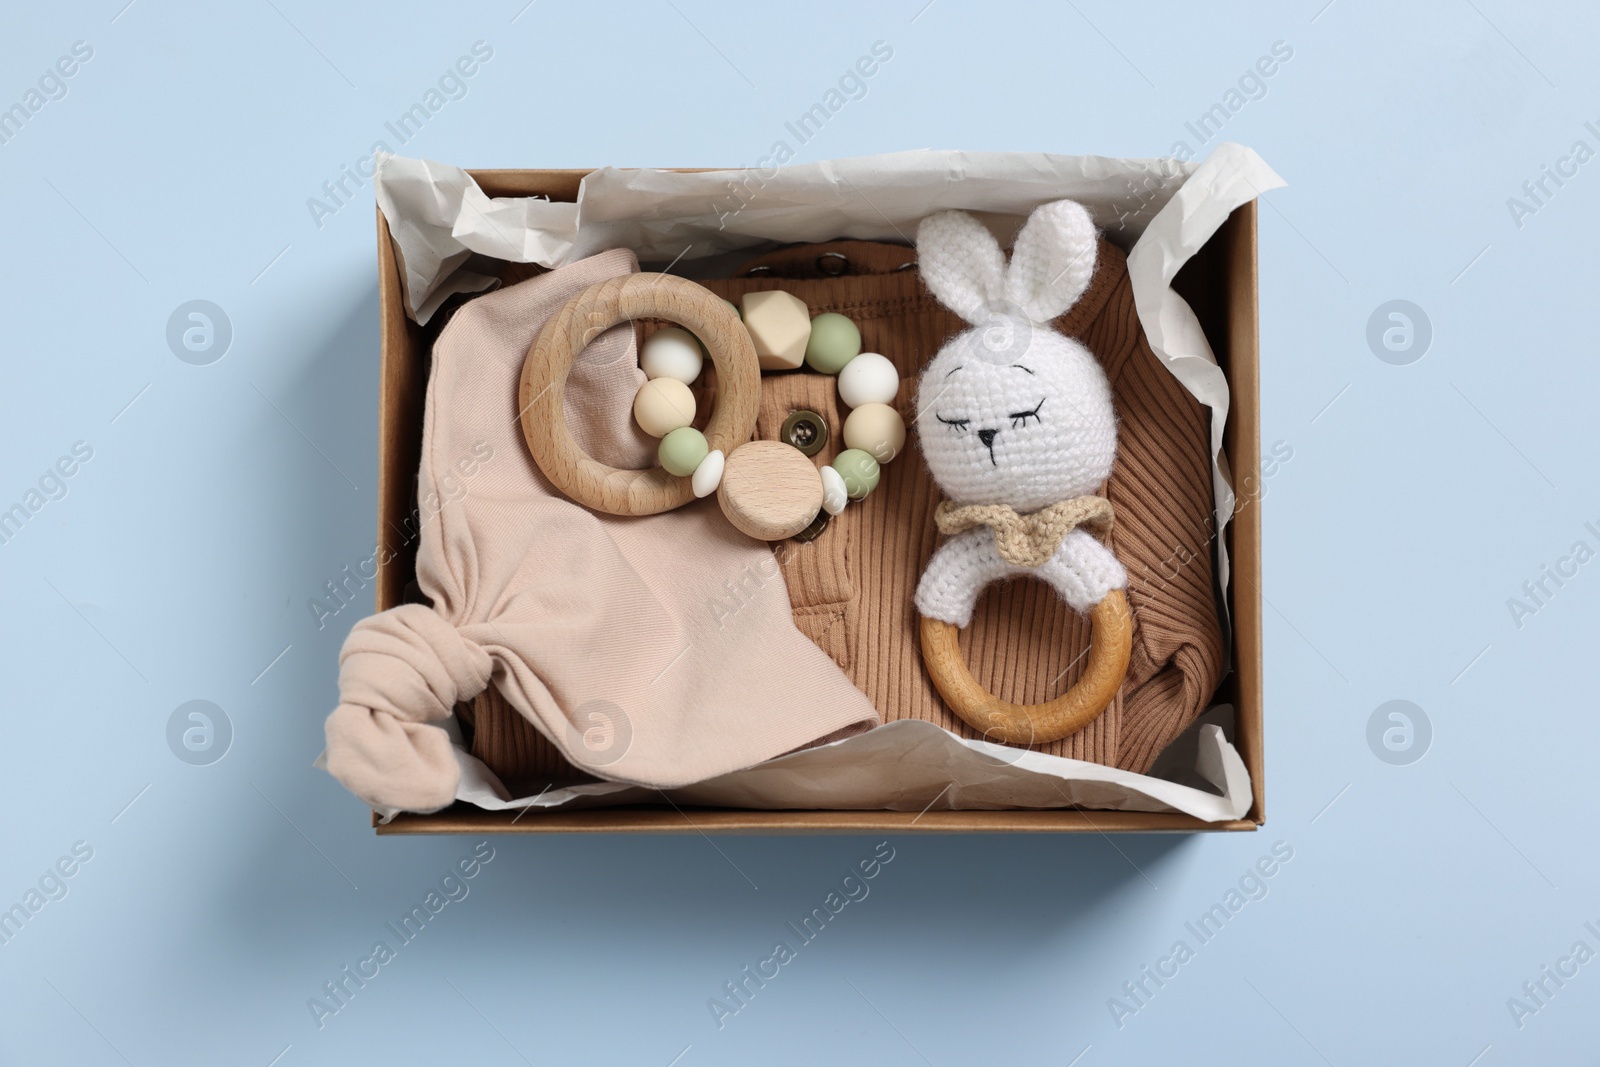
{"x": 1110, "y": 646}
{"x": 542, "y": 394}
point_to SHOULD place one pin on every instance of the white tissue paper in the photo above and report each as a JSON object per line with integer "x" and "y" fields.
{"x": 1160, "y": 210}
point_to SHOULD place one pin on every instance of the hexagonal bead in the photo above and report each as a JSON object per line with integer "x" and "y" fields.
{"x": 780, "y": 326}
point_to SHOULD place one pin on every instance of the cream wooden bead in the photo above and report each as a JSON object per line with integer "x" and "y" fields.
{"x": 876, "y": 429}
{"x": 780, "y": 326}
{"x": 662, "y": 405}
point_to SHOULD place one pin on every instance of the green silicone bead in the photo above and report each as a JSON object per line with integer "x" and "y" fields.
{"x": 735, "y": 308}
{"x": 682, "y": 450}
{"x": 834, "y": 342}
{"x": 859, "y": 470}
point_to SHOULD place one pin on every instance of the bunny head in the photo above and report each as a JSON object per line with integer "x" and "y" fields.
{"x": 1011, "y": 411}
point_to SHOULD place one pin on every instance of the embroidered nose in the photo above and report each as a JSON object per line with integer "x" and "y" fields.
{"x": 987, "y": 437}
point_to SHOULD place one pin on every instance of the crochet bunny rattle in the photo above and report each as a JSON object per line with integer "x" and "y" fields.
{"x": 1017, "y": 427}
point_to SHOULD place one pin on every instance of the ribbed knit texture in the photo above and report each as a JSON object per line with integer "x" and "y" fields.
{"x": 851, "y": 588}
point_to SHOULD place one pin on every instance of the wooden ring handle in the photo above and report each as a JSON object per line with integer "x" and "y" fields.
{"x": 1110, "y": 645}
{"x": 587, "y": 315}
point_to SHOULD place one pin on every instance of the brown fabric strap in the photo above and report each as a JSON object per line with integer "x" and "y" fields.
{"x": 1028, "y": 540}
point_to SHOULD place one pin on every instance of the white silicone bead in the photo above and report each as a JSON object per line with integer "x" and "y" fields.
{"x": 663, "y": 405}
{"x": 834, "y": 495}
{"x": 868, "y": 379}
{"x": 708, "y": 475}
{"x": 876, "y": 429}
{"x": 672, "y": 352}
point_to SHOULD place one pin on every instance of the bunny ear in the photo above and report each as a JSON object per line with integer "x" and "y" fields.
{"x": 961, "y": 264}
{"x": 1052, "y": 261}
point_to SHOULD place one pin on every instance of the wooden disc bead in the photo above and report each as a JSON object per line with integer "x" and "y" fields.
{"x": 769, "y": 490}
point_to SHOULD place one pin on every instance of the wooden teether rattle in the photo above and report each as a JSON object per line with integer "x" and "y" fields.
{"x": 767, "y": 490}
{"x": 585, "y": 317}
{"x": 1018, "y": 428}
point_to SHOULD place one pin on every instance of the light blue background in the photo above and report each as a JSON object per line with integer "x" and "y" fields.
{"x": 1419, "y": 898}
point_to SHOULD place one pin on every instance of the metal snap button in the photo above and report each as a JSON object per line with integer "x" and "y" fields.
{"x": 833, "y": 264}
{"x": 814, "y": 531}
{"x": 805, "y": 430}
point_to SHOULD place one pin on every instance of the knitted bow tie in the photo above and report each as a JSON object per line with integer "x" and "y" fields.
{"x": 1027, "y": 540}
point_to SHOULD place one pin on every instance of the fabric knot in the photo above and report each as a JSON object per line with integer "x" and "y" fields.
{"x": 1028, "y": 540}
{"x": 400, "y": 671}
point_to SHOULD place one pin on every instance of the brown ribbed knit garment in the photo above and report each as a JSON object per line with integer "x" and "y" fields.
{"x": 851, "y": 588}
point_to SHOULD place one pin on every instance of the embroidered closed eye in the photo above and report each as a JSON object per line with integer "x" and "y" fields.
{"x": 1020, "y": 419}
{"x": 958, "y": 425}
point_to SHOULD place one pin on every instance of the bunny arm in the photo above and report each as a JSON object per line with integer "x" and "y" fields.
{"x": 1082, "y": 571}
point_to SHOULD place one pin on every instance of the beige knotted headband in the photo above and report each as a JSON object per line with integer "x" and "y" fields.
{"x": 1028, "y": 540}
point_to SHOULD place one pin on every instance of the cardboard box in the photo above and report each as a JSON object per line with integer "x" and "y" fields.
{"x": 1219, "y": 283}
